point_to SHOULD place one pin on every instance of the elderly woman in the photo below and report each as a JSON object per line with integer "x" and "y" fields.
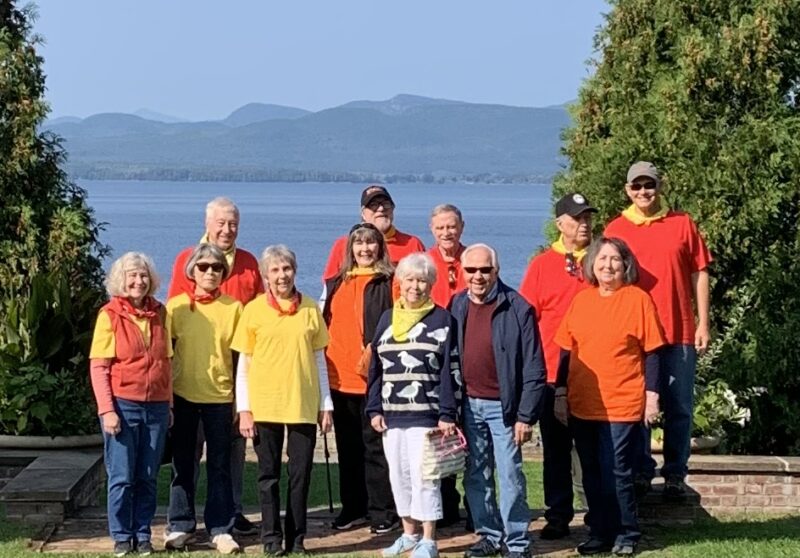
{"x": 412, "y": 390}
{"x": 201, "y": 325}
{"x": 356, "y": 299}
{"x": 132, "y": 383}
{"x": 607, "y": 384}
{"x": 282, "y": 386}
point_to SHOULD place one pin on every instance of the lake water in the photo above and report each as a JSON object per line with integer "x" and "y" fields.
{"x": 162, "y": 218}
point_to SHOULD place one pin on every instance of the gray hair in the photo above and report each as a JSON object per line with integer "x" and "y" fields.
{"x": 630, "y": 274}
{"x": 418, "y": 264}
{"x": 220, "y": 203}
{"x": 278, "y": 252}
{"x": 447, "y": 208}
{"x": 115, "y": 279}
{"x": 482, "y": 246}
{"x": 204, "y": 251}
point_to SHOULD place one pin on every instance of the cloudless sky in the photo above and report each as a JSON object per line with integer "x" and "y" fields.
{"x": 201, "y": 59}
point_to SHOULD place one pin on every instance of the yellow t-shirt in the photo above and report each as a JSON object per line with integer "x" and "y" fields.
{"x": 283, "y": 380}
{"x": 202, "y": 369}
{"x": 103, "y": 342}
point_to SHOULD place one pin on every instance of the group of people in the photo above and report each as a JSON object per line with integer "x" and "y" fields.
{"x": 404, "y": 344}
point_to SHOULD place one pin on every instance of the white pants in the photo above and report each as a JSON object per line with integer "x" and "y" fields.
{"x": 413, "y": 497}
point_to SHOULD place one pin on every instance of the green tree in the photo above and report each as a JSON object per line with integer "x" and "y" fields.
{"x": 50, "y": 269}
{"x": 708, "y": 92}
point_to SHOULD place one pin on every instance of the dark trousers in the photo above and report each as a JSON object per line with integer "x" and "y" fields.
{"x": 607, "y": 451}
{"x": 300, "y": 451}
{"x": 216, "y": 420}
{"x": 557, "y": 453}
{"x": 364, "y": 487}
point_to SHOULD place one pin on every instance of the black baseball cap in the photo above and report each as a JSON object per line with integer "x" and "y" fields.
{"x": 573, "y": 205}
{"x": 372, "y": 192}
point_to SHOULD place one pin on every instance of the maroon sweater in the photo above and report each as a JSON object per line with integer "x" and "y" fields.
{"x": 477, "y": 362}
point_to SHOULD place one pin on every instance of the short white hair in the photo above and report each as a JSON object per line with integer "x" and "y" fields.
{"x": 482, "y": 246}
{"x": 220, "y": 203}
{"x": 278, "y": 252}
{"x": 418, "y": 264}
{"x": 115, "y": 279}
{"x": 447, "y": 208}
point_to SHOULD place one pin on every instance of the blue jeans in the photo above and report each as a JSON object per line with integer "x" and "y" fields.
{"x": 132, "y": 460}
{"x": 216, "y": 419}
{"x": 676, "y": 395}
{"x": 607, "y": 451}
{"x": 491, "y": 445}
{"x": 557, "y": 463}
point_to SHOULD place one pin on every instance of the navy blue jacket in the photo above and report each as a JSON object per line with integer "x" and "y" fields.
{"x": 517, "y": 352}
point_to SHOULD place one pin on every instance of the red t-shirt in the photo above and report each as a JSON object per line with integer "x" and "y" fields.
{"x": 444, "y": 289}
{"x": 244, "y": 282}
{"x": 399, "y": 245}
{"x": 668, "y": 251}
{"x": 549, "y": 288}
{"x": 477, "y": 363}
{"x": 607, "y": 337}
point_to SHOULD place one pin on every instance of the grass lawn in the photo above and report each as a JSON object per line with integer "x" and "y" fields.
{"x": 750, "y": 536}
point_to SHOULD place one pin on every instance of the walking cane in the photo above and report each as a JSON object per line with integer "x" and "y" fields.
{"x": 328, "y": 470}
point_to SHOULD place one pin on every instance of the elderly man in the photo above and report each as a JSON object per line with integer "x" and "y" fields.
{"x": 447, "y": 226}
{"x": 503, "y": 375}
{"x": 377, "y": 208}
{"x": 673, "y": 267}
{"x": 552, "y": 279}
{"x": 244, "y": 284}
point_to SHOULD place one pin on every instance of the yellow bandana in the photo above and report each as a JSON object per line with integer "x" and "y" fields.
{"x": 638, "y": 219}
{"x": 361, "y": 271}
{"x": 390, "y": 233}
{"x": 559, "y": 248}
{"x": 230, "y": 253}
{"x": 403, "y": 319}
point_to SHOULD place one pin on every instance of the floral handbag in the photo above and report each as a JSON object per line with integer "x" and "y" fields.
{"x": 443, "y": 454}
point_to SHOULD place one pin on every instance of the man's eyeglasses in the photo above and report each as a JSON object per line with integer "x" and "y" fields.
{"x": 571, "y": 265}
{"x": 647, "y": 185}
{"x": 374, "y": 205}
{"x": 484, "y": 270}
{"x": 202, "y": 267}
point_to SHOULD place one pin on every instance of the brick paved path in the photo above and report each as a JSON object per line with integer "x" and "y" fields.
{"x": 88, "y": 534}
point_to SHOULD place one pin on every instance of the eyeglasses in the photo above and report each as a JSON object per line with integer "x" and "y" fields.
{"x": 451, "y": 276}
{"x": 571, "y": 265}
{"x": 484, "y": 270}
{"x": 649, "y": 185}
{"x": 384, "y": 203}
{"x": 202, "y": 267}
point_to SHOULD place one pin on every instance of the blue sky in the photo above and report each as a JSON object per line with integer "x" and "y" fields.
{"x": 199, "y": 59}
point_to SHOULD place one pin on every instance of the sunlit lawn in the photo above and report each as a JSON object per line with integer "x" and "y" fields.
{"x": 745, "y": 536}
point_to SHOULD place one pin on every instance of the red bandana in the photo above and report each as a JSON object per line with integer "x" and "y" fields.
{"x": 150, "y": 309}
{"x": 295, "y": 303}
{"x": 203, "y": 298}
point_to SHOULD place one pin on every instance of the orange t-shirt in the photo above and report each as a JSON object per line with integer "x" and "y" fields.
{"x": 399, "y": 245}
{"x": 668, "y": 251}
{"x": 346, "y": 336}
{"x": 607, "y": 337}
{"x": 549, "y": 288}
{"x": 444, "y": 289}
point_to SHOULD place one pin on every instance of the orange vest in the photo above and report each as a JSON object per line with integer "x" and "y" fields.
{"x": 139, "y": 373}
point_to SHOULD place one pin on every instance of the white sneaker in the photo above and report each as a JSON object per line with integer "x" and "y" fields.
{"x": 224, "y": 543}
{"x": 176, "y": 540}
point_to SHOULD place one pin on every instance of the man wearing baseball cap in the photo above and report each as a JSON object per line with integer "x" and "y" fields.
{"x": 551, "y": 281}
{"x": 377, "y": 208}
{"x": 673, "y": 267}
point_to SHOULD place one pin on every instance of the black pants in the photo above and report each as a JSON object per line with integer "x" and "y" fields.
{"x": 557, "y": 474}
{"x": 364, "y": 487}
{"x": 300, "y": 450}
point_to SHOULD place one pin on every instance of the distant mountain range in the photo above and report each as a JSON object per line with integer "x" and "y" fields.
{"x": 406, "y": 138}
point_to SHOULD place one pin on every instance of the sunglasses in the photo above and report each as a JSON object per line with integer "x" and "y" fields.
{"x": 451, "y": 276}
{"x": 386, "y": 204}
{"x": 649, "y": 185}
{"x": 484, "y": 270}
{"x": 571, "y": 265}
{"x": 202, "y": 267}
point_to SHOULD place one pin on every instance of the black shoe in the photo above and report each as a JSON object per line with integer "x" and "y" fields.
{"x": 641, "y": 486}
{"x": 628, "y": 549}
{"x": 674, "y": 488}
{"x": 553, "y": 531}
{"x": 243, "y": 526}
{"x": 121, "y": 548}
{"x": 594, "y": 546}
{"x": 298, "y": 548}
{"x": 273, "y": 549}
{"x": 144, "y": 548}
{"x": 342, "y": 523}
{"x": 482, "y": 549}
{"x": 518, "y": 553}
{"x": 384, "y": 527}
